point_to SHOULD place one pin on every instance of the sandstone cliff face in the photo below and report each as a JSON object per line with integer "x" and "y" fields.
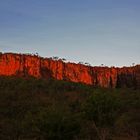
{"x": 24, "y": 65}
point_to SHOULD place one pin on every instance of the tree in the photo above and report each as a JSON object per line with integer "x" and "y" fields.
{"x": 87, "y": 64}
{"x": 57, "y": 125}
{"x": 37, "y": 54}
{"x": 55, "y": 57}
{"x": 63, "y": 59}
{"x": 80, "y": 63}
{"x": 101, "y": 110}
{"x": 133, "y": 64}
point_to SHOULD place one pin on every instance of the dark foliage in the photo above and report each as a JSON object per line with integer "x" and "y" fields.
{"x": 37, "y": 109}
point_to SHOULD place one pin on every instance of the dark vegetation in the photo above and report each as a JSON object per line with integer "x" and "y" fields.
{"x": 37, "y": 109}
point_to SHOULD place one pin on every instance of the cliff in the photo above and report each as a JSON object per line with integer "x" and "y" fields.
{"x": 32, "y": 65}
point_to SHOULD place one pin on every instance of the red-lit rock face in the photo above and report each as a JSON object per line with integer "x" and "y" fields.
{"x": 24, "y": 65}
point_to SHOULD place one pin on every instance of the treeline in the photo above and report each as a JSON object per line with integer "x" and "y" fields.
{"x": 37, "y": 109}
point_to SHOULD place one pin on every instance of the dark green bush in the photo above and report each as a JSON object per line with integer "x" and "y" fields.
{"x": 102, "y": 108}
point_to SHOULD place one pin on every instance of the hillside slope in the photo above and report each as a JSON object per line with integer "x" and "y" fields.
{"x": 39, "y": 109}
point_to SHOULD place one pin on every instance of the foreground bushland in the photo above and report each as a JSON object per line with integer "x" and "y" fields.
{"x": 37, "y": 109}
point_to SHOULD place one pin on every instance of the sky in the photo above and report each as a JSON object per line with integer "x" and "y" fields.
{"x": 94, "y": 31}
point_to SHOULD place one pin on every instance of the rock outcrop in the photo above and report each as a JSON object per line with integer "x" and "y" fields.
{"x": 32, "y": 65}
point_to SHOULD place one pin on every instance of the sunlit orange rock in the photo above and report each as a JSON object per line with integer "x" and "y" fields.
{"x": 32, "y": 65}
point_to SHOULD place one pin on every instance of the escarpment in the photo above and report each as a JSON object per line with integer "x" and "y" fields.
{"x": 31, "y": 65}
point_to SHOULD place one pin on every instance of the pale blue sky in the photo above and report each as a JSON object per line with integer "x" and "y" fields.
{"x": 94, "y": 31}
